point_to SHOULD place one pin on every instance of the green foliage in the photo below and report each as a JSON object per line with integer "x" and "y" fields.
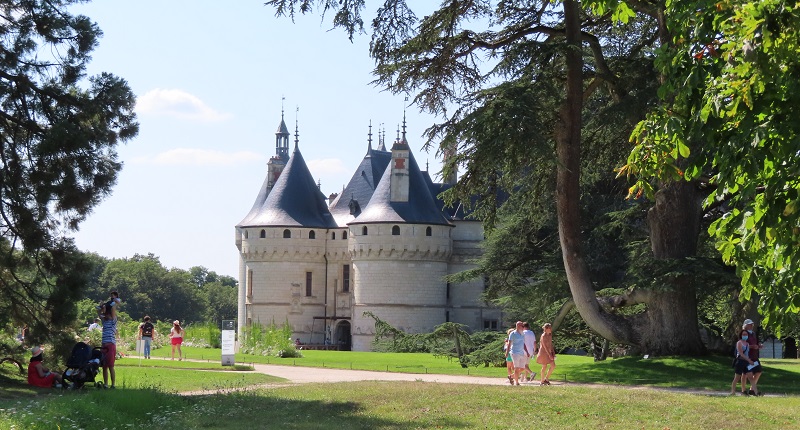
{"x": 58, "y": 141}
{"x": 258, "y": 339}
{"x": 732, "y": 93}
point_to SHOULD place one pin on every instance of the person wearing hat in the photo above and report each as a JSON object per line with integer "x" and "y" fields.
{"x": 176, "y": 337}
{"x": 754, "y": 347}
{"x": 38, "y": 375}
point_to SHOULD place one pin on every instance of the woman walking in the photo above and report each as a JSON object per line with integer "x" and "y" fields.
{"x": 740, "y": 370}
{"x": 509, "y": 360}
{"x": 547, "y": 355}
{"x": 176, "y": 336}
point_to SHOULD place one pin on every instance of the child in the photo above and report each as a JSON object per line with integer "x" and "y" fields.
{"x": 113, "y": 301}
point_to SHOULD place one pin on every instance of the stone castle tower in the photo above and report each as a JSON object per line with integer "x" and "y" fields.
{"x": 383, "y": 245}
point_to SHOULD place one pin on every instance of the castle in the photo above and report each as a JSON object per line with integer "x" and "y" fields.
{"x": 383, "y": 245}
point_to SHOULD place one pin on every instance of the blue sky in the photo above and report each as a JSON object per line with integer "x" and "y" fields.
{"x": 210, "y": 76}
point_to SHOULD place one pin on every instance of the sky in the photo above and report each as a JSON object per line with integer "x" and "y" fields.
{"x": 211, "y": 78}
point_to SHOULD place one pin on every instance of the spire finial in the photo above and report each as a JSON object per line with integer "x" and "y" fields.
{"x": 369, "y": 136}
{"x": 296, "y": 128}
{"x": 398, "y": 133}
{"x": 427, "y": 165}
{"x": 283, "y": 98}
{"x": 404, "y": 121}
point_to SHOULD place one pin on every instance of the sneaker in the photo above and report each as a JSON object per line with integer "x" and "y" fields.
{"x": 751, "y": 393}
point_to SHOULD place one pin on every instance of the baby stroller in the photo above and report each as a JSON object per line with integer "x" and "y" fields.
{"x": 83, "y": 365}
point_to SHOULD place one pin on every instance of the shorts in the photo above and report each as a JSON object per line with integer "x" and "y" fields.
{"x": 741, "y": 367}
{"x": 109, "y": 354}
{"x": 177, "y": 340}
{"x": 519, "y": 360}
{"x": 756, "y": 369}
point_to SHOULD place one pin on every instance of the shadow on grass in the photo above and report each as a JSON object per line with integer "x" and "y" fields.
{"x": 149, "y": 408}
{"x": 709, "y": 373}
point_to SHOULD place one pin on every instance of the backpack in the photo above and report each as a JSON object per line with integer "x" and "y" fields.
{"x": 147, "y": 329}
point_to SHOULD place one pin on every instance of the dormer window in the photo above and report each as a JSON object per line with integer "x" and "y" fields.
{"x": 287, "y": 234}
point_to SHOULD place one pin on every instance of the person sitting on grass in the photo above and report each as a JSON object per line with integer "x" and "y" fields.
{"x": 38, "y": 375}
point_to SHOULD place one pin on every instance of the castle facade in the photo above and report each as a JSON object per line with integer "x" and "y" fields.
{"x": 383, "y": 245}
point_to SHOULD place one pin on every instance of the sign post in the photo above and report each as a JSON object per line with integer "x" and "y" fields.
{"x": 228, "y": 342}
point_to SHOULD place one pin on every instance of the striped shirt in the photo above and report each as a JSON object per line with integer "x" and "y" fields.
{"x": 110, "y": 331}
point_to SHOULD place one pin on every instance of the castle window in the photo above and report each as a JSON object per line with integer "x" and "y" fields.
{"x": 346, "y": 278}
{"x": 312, "y": 234}
{"x": 308, "y": 284}
{"x": 364, "y": 231}
{"x": 395, "y": 230}
{"x": 263, "y": 234}
{"x": 245, "y": 234}
{"x": 333, "y": 236}
{"x": 287, "y": 234}
{"x": 490, "y": 324}
{"x": 250, "y": 283}
{"x": 344, "y": 235}
{"x": 448, "y": 290}
{"x": 446, "y": 316}
{"x": 428, "y": 231}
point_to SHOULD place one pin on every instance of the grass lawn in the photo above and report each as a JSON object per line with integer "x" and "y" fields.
{"x": 145, "y": 398}
{"x": 707, "y": 373}
{"x": 404, "y": 405}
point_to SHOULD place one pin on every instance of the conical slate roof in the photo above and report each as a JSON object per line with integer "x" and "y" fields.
{"x": 295, "y": 200}
{"x": 282, "y": 129}
{"x": 358, "y": 192}
{"x": 419, "y": 209}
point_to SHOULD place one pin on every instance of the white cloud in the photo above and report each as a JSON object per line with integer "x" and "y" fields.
{"x": 179, "y": 104}
{"x": 201, "y": 157}
{"x": 326, "y": 167}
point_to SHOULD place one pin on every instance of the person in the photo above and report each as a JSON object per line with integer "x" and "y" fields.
{"x": 96, "y": 325}
{"x": 743, "y": 361}
{"x": 21, "y": 335}
{"x": 146, "y": 333}
{"x": 753, "y": 353}
{"x": 109, "y": 345}
{"x": 112, "y": 302}
{"x": 547, "y": 355}
{"x": 519, "y": 352}
{"x": 176, "y": 337}
{"x": 530, "y": 344}
{"x": 509, "y": 360}
{"x": 38, "y": 375}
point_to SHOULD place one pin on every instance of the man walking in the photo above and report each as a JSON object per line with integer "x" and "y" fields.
{"x": 753, "y": 353}
{"x": 519, "y": 352}
{"x": 530, "y": 345}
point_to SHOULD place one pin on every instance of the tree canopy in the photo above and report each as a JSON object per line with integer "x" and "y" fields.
{"x": 730, "y": 120}
{"x": 59, "y": 130}
{"x": 517, "y": 81}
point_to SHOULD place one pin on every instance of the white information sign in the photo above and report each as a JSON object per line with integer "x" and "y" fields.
{"x": 228, "y": 342}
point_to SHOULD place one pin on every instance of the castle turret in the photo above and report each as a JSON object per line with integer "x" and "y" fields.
{"x": 277, "y": 163}
{"x": 401, "y": 230}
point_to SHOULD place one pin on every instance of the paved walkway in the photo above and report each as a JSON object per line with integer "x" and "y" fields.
{"x": 305, "y": 375}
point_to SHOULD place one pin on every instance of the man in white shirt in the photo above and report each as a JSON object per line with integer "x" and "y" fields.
{"x": 530, "y": 345}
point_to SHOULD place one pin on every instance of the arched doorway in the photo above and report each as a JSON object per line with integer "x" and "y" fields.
{"x": 342, "y": 338}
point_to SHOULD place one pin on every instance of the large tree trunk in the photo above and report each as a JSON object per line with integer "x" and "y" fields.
{"x": 671, "y": 318}
{"x": 669, "y": 325}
